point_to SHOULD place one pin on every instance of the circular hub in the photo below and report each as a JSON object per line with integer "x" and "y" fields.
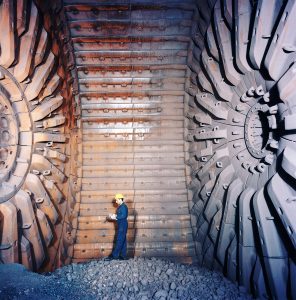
{"x": 8, "y": 138}
{"x": 256, "y": 131}
{"x": 15, "y": 136}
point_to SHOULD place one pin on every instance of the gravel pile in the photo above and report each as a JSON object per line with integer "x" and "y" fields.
{"x": 136, "y": 278}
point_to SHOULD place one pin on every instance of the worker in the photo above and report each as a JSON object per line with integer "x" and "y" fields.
{"x": 119, "y": 252}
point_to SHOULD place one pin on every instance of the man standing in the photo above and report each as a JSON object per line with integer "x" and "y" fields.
{"x": 119, "y": 252}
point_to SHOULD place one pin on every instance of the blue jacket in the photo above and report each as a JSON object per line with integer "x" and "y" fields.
{"x": 122, "y": 213}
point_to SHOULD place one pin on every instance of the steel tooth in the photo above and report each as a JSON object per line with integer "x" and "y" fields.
{"x": 247, "y": 252}
{"x": 216, "y": 266}
{"x": 201, "y": 28}
{"x": 190, "y": 125}
{"x": 7, "y": 40}
{"x": 224, "y": 45}
{"x": 46, "y": 107}
{"x": 242, "y": 11}
{"x": 193, "y": 63}
{"x": 227, "y": 12}
{"x": 258, "y": 281}
{"x": 210, "y": 39}
{"x": 265, "y": 17}
{"x": 49, "y": 153}
{"x": 26, "y": 253}
{"x": 283, "y": 42}
{"x": 41, "y": 197}
{"x": 40, "y": 76}
{"x": 27, "y": 43}
{"x": 270, "y": 240}
{"x": 215, "y": 226}
{"x": 208, "y": 254}
{"x": 203, "y": 118}
{"x": 190, "y": 111}
{"x": 50, "y": 87}
{"x": 289, "y": 161}
{"x": 54, "y": 121}
{"x": 9, "y": 237}
{"x": 192, "y": 162}
{"x": 204, "y": 8}
{"x": 227, "y": 228}
{"x": 53, "y": 190}
{"x": 206, "y": 151}
{"x": 41, "y": 48}
{"x": 274, "y": 253}
{"x": 21, "y": 16}
{"x": 286, "y": 88}
{"x": 204, "y": 82}
{"x": 213, "y": 71}
{"x": 196, "y": 53}
{"x": 232, "y": 261}
{"x": 218, "y": 155}
{"x": 29, "y": 226}
{"x": 40, "y": 163}
{"x": 197, "y": 208}
{"x": 44, "y": 226}
{"x": 210, "y": 135}
{"x": 203, "y": 227}
{"x": 283, "y": 200}
{"x": 214, "y": 107}
{"x": 216, "y": 199}
{"x": 206, "y": 190}
{"x": 49, "y": 137}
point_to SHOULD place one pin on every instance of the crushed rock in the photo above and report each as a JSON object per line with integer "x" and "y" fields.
{"x": 138, "y": 279}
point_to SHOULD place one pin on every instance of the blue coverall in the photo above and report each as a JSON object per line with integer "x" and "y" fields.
{"x": 120, "y": 247}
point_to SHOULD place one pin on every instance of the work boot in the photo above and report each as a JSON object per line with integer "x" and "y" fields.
{"x": 122, "y": 257}
{"x": 110, "y": 257}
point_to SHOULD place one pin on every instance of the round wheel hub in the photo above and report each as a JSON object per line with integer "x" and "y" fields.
{"x": 257, "y": 131}
{"x": 15, "y": 136}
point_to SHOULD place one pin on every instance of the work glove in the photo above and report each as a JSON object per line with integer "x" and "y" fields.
{"x": 112, "y": 217}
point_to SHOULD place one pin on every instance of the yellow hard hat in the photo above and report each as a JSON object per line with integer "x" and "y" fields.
{"x": 118, "y": 196}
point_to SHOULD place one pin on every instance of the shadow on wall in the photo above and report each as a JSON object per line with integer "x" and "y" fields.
{"x": 133, "y": 247}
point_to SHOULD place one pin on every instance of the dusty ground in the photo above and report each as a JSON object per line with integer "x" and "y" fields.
{"x": 132, "y": 279}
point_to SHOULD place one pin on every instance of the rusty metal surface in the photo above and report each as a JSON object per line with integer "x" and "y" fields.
{"x": 33, "y": 138}
{"x": 131, "y": 64}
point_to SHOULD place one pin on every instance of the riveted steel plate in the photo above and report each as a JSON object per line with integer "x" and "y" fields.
{"x": 132, "y": 72}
